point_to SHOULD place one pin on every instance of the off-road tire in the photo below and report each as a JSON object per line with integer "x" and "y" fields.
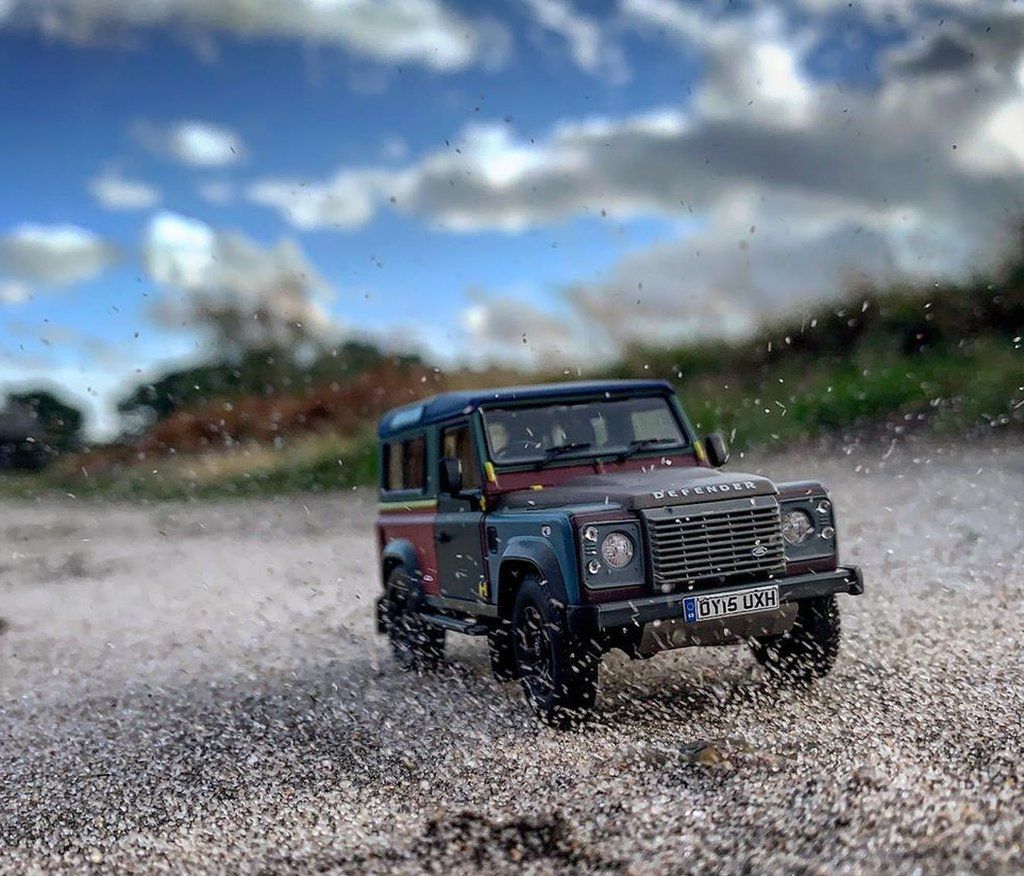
{"x": 417, "y": 646}
{"x": 501, "y": 651}
{"x": 557, "y": 670}
{"x": 809, "y": 650}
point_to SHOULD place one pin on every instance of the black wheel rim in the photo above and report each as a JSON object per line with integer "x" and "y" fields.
{"x": 533, "y": 651}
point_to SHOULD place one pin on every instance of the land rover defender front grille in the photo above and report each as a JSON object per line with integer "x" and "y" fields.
{"x": 714, "y": 540}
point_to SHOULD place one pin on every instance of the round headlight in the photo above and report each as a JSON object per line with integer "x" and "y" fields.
{"x": 797, "y": 526}
{"x": 617, "y": 549}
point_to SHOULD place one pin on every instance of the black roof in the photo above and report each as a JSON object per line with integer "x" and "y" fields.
{"x": 451, "y": 404}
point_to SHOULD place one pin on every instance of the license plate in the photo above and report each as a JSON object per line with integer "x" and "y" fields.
{"x": 698, "y": 608}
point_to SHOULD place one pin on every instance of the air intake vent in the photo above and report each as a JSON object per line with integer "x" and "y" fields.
{"x": 714, "y": 540}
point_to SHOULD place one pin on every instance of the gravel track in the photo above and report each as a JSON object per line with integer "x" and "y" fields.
{"x": 198, "y": 687}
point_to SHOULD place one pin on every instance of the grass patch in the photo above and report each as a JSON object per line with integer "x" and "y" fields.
{"x": 946, "y": 391}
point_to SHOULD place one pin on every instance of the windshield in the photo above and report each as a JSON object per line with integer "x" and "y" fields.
{"x": 595, "y": 428}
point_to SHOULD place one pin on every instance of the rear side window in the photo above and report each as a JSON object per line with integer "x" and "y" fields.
{"x": 405, "y": 464}
{"x": 457, "y": 442}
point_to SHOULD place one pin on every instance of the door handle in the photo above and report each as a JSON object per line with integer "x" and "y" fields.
{"x": 444, "y": 537}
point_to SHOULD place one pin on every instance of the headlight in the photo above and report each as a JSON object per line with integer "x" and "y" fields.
{"x": 797, "y": 526}
{"x": 617, "y": 549}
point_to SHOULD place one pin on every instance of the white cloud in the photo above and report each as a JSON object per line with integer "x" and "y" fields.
{"x": 13, "y": 292}
{"x": 179, "y": 251}
{"x": 425, "y": 32}
{"x": 192, "y": 142}
{"x": 677, "y": 19}
{"x": 204, "y": 145}
{"x": 588, "y": 45}
{"x": 347, "y": 200}
{"x": 920, "y": 175}
{"x": 57, "y": 255}
{"x": 797, "y": 189}
{"x": 901, "y": 12}
{"x": 757, "y": 80}
{"x": 217, "y": 192}
{"x": 997, "y": 146}
{"x": 727, "y": 278}
{"x": 523, "y": 333}
{"x": 223, "y": 282}
{"x": 757, "y": 121}
{"x": 489, "y": 180}
{"x": 119, "y": 193}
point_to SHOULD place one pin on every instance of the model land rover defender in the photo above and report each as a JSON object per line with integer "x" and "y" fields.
{"x": 561, "y": 521}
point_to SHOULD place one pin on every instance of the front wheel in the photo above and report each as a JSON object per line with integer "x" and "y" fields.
{"x": 558, "y": 671}
{"x": 501, "y": 651}
{"x": 809, "y": 650}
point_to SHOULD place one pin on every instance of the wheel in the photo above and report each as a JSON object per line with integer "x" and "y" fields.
{"x": 557, "y": 671}
{"x": 416, "y": 644}
{"x": 502, "y": 654}
{"x": 809, "y": 650}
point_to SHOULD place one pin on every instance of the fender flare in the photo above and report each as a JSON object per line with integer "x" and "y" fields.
{"x": 399, "y": 552}
{"x": 539, "y": 553}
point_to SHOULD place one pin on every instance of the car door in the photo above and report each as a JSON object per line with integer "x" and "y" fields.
{"x": 459, "y": 522}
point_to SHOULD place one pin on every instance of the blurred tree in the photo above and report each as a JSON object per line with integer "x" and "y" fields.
{"x": 59, "y": 422}
{"x": 264, "y": 371}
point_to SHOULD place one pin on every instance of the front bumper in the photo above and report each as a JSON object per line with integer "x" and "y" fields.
{"x": 637, "y": 612}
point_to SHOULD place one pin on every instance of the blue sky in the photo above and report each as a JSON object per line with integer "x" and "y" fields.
{"x": 455, "y": 176}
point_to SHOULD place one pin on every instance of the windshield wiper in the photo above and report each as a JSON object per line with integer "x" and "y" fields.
{"x": 553, "y": 453}
{"x": 642, "y": 444}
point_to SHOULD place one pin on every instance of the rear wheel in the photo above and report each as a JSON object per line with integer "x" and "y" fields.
{"x": 809, "y": 650}
{"x": 416, "y": 644}
{"x": 558, "y": 671}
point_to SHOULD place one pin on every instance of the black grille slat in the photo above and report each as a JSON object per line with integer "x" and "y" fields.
{"x": 688, "y": 559}
{"x": 712, "y": 543}
{"x": 725, "y": 538}
{"x": 724, "y": 526}
{"x": 714, "y": 548}
{"x": 703, "y": 531}
{"x": 714, "y": 540}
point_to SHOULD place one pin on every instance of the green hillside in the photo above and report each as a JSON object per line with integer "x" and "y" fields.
{"x": 944, "y": 360}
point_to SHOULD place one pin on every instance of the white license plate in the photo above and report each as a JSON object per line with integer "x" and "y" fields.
{"x": 698, "y": 608}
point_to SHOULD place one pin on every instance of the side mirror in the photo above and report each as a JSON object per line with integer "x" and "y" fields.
{"x": 716, "y": 449}
{"x": 450, "y": 474}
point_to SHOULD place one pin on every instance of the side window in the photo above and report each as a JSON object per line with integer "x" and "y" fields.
{"x": 457, "y": 441}
{"x": 414, "y": 463}
{"x": 405, "y": 464}
{"x": 393, "y": 465}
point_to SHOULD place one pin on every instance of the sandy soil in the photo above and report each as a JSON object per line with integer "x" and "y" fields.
{"x": 198, "y": 687}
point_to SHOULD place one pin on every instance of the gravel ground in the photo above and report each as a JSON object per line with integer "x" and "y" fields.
{"x": 198, "y": 688}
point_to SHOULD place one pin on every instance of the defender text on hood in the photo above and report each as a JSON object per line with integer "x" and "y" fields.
{"x": 647, "y": 489}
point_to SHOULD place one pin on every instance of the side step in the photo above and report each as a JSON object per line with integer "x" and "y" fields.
{"x": 456, "y": 624}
